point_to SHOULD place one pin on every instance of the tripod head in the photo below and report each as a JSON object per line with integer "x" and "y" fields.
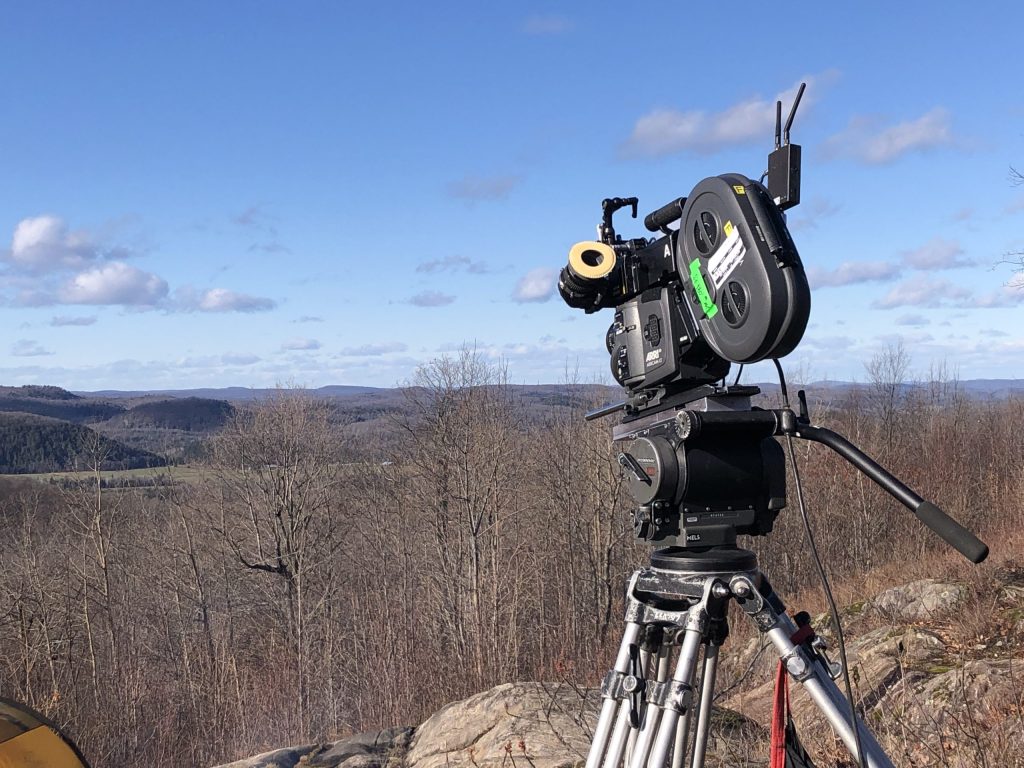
{"x": 707, "y": 471}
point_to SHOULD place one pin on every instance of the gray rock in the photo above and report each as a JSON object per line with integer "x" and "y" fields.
{"x": 535, "y": 724}
{"x": 279, "y": 758}
{"x": 878, "y": 660}
{"x": 919, "y": 600}
{"x": 373, "y": 749}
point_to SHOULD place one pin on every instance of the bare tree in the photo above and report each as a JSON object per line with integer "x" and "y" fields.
{"x": 278, "y": 468}
{"x": 887, "y": 372}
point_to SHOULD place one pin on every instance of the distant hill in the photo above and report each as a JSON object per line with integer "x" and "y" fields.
{"x": 32, "y": 443}
{"x": 41, "y": 392}
{"x": 56, "y": 403}
{"x": 232, "y": 394}
{"x": 191, "y": 414}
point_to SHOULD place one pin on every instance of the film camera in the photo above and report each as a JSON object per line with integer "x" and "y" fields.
{"x": 726, "y": 285}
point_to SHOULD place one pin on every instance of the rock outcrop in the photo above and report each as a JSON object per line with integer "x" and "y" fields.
{"x": 935, "y": 689}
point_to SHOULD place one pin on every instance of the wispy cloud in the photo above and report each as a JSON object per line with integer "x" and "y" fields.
{"x": 812, "y": 212}
{"x": 937, "y": 253}
{"x": 923, "y": 291}
{"x": 667, "y": 131}
{"x": 300, "y": 345}
{"x": 482, "y": 188}
{"x": 373, "y": 350}
{"x": 536, "y": 285}
{"x": 431, "y": 299}
{"x": 852, "y": 273}
{"x": 454, "y": 264}
{"x": 870, "y": 141}
{"x": 257, "y": 219}
{"x": 222, "y": 300}
{"x": 28, "y": 348}
{"x": 913, "y": 320}
{"x": 66, "y": 320}
{"x": 236, "y": 359}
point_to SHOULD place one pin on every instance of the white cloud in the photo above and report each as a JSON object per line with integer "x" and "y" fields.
{"x": 28, "y": 348}
{"x": 224, "y": 300}
{"x": 536, "y": 285}
{"x": 44, "y": 243}
{"x": 865, "y": 139}
{"x": 114, "y": 283}
{"x": 300, "y": 344}
{"x": 666, "y": 131}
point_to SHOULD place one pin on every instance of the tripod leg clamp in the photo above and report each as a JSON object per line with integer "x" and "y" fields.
{"x": 620, "y": 685}
{"x": 671, "y": 694}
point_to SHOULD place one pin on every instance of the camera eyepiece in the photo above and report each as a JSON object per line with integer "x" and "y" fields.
{"x": 586, "y": 279}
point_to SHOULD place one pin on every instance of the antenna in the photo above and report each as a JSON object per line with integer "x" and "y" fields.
{"x": 792, "y": 112}
{"x": 778, "y": 124}
{"x": 784, "y": 161}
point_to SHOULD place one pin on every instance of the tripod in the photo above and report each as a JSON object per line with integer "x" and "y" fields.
{"x": 678, "y": 608}
{"x": 702, "y": 474}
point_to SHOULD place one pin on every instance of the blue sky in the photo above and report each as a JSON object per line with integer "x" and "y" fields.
{"x": 251, "y": 193}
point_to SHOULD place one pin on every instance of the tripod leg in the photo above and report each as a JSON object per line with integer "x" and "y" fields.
{"x": 680, "y": 742}
{"x": 659, "y": 673}
{"x": 611, "y": 701}
{"x": 677, "y": 697}
{"x": 707, "y": 694}
{"x": 807, "y": 669}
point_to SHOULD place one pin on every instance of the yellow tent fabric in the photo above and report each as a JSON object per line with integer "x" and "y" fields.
{"x": 29, "y": 740}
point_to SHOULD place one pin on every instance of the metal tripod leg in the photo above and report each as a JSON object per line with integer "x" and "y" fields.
{"x": 808, "y": 669}
{"x": 707, "y": 695}
{"x": 611, "y": 701}
{"x": 668, "y": 710}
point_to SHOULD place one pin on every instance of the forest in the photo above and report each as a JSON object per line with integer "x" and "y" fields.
{"x": 311, "y": 584}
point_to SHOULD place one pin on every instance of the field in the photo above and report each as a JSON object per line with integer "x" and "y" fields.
{"x": 185, "y": 473}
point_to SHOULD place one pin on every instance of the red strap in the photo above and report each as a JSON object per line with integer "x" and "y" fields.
{"x": 779, "y": 711}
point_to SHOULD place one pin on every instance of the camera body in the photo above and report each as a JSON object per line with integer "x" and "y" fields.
{"x": 726, "y": 287}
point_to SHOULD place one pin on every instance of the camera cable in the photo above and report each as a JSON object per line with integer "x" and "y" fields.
{"x": 833, "y": 610}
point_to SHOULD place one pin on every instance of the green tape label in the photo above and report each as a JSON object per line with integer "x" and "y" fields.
{"x": 710, "y": 310}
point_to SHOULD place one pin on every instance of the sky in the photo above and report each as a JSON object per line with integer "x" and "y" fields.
{"x": 201, "y": 194}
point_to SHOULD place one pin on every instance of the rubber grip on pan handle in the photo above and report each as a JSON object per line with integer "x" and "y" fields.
{"x": 954, "y": 534}
{"x": 665, "y": 215}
